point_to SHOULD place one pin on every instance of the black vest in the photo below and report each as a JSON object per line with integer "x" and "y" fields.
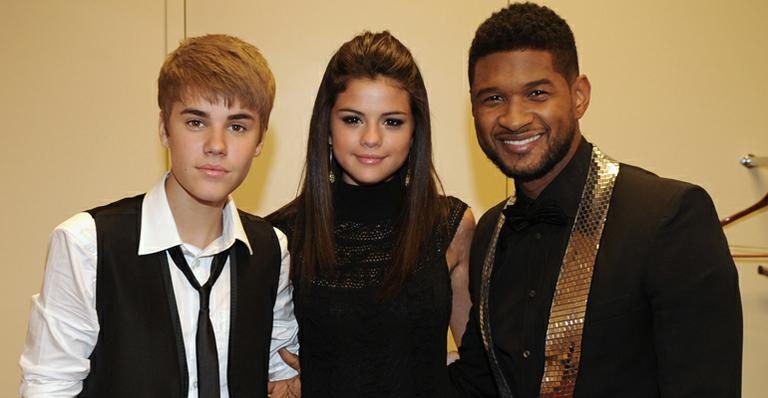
{"x": 140, "y": 351}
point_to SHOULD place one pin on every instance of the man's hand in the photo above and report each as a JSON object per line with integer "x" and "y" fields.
{"x": 288, "y": 388}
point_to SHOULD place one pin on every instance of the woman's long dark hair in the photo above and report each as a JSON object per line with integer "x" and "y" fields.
{"x": 367, "y": 56}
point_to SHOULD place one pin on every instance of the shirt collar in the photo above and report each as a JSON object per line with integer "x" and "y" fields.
{"x": 565, "y": 189}
{"x": 159, "y": 232}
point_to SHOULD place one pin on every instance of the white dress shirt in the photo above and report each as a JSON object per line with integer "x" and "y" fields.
{"x": 64, "y": 326}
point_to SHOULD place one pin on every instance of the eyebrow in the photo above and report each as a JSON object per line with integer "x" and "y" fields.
{"x": 539, "y": 82}
{"x": 350, "y": 110}
{"x": 240, "y": 116}
{"x": 193, "y": 111}
{"x": 528, "y": 85}
{"x": 199, "y": 113}
{"x": 395, "y": 113}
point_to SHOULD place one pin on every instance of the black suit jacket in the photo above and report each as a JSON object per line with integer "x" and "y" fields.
{"x": 664, "y": 313}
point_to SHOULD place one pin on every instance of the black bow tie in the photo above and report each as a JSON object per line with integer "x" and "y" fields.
{"x": 521, "y": 217}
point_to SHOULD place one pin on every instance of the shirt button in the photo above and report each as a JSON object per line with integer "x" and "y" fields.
{"x": 194, "y": 384}
{"x": 537, "y": 235}
{"x": 531, "y": 293}
{"x": 526, "y": 354}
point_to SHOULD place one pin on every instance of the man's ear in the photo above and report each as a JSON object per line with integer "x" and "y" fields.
{"x": 472, "y": 103}
{"x": 260, "y": 145}
{"x": 163, "y": 130}
{"x": 581, "y": 90}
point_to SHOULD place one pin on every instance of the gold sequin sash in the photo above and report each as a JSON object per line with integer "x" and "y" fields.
{"x": 562, "y": 349}
{"x": 566, "y": 320}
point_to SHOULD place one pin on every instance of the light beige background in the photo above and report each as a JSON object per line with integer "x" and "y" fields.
{"x": 679, "y": 87}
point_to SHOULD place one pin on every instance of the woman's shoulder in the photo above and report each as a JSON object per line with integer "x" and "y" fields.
{"x": 454, "y": 210}
{"x": 455, "y": 206}
{"x": 452, "y": 200}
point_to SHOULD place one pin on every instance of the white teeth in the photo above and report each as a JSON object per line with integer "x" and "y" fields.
{"x": 522, "y": 142}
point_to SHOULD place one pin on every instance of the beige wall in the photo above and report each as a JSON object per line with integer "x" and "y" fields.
{"x": 77, "y": 103}
{"x": 679, "y": 87}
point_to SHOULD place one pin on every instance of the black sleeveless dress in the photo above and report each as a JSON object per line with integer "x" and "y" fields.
{"x": 356, "y": 345}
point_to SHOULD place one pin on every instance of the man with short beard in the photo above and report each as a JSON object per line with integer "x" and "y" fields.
{"x": 596, "y": 279}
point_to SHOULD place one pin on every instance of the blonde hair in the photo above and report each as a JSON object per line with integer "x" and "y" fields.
{"x": 217, "y": 68}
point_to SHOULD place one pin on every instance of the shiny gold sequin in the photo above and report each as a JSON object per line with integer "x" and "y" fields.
{"x": 562, "y": 350}
{"x": 566, "y": 319}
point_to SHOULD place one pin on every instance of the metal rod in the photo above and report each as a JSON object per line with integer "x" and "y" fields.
{"x": 743, "y": 255}
{"x": 751, "y": 160}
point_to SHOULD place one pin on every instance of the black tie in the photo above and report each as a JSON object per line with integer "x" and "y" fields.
{"x": 207, "y": 356}
{"x": 520, "y": 217}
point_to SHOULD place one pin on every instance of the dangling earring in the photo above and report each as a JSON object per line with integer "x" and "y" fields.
{"x": 331, "y": 176}
{"x": 408, "y": 171}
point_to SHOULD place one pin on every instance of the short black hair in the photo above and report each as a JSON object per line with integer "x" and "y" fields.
{"x": 526, "y": 26}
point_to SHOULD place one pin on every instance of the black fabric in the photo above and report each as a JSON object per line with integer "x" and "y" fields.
{"x": 521, "y": 215}
{"x": 664, "y": 298}
{"x": 205, "y": 342}
{"x": 354, "y": 344}
{"x": 139, "y": 351}
{"x": 525, "y": 274}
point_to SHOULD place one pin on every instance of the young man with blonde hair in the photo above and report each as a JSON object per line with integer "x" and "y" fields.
{"x": 174, "y": 293}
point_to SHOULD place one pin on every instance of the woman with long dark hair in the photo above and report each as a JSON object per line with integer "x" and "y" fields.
{"x": 379, "y": 255}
